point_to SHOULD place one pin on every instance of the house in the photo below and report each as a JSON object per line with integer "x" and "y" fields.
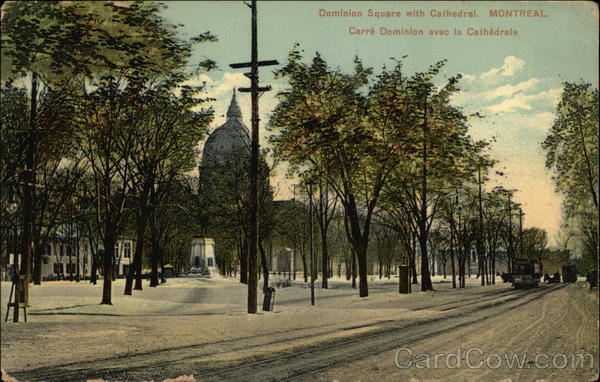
{"x": 65, "y": 258}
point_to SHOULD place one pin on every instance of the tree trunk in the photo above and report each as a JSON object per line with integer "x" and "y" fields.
{"x": 265, "y": 268}
{"x": 78, "y": 273}
{"x": 468, "y": 254}
{"x": 444, "y": 263}
{"x": 154, "y": 258}
{"x": 493, "y": 266}
{"x": 348, "y": 266}
{"x": 109, "y": 250}
{"x": 388, "y": 271}
{"x": 461, "y": 266}
{"x": 70, "y": 254}
{"x": 453, "y": 268}
{"x": 304, "y": 269}
{"x": 94, "y": 271}
{"x": 28, "y": 179}
{"x": 138, "y": 270}
{"x": 139, "y": 247}
{"x": 487, "y": 271}
{"x": 353, "y": 269}
{"x": 162, "y": 268}
{"x": 243, "y": 251}
{"x": 425, "y": 277}
{"x": 363, "y": 287}
{"x": 422, "y": 220}
{"x": 413, "y": 260}
{"x": 325, "y": 255}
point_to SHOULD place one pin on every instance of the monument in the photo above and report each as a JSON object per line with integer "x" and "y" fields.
{"x": 202, "y": 258}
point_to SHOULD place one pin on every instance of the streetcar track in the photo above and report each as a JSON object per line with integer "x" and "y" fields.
{"x": 61, "y": 374}
{"x": 369, "y": 337}
{"x": 119, "y": 357}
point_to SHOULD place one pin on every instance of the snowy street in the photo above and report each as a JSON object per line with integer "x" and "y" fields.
{"x": 199, "y": 328}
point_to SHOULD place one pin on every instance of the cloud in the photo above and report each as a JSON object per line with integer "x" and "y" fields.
{"x": 523, "y": 102}
{"x": 512, "y": 65}
{"x": 198, "y": 80}
{"x": 468, "y": 77}
{"x": 509, "y": 90}
{"x": 227, "y": 83}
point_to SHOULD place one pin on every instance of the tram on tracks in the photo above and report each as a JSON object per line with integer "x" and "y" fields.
{"x": 526, "y": 274}
{"x": 569, "y": 273}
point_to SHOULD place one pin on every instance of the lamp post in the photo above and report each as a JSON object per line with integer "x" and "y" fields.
{"x": 12, "y": 209}
{"x": 521, "y": 214}
{"x": 310, "y": 183}
{"x": 510, "y": 234}
{"x": 294, "y": 249}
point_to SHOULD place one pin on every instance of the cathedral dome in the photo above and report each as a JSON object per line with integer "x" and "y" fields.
{"x": 228, "y": 142}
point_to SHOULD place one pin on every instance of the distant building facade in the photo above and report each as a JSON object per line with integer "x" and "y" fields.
{"x": 63, "y": 258}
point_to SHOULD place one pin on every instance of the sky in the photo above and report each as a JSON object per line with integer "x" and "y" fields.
{"x": 513, "y": 80}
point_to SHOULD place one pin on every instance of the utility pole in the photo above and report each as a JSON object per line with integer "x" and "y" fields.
{"x": 480, "y": 249}
{"x": 510, "y": 232}
{"x": 521, "y": 233}
{"x": 312, "y": 260}
{"x": 254, "y": 90}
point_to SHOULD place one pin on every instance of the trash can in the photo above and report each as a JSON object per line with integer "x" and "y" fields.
{"x": 404, "y": 277}
{"x": 269, "y": 300}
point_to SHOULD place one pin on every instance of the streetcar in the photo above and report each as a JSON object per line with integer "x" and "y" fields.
{"x": 526, "y": 274}
{"x": 569, "y": 273}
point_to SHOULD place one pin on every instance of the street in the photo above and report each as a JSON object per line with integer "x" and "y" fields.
{"x": 203, "y": 332}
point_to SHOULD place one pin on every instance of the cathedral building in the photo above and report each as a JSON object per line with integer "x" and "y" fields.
{"x": 226, "y": 147}
{"x": 224, "y": 185}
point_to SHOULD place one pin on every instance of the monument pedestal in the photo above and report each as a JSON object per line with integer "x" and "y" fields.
{"x": 202, "y": 260}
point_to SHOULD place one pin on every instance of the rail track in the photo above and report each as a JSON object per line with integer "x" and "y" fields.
{"x": 291, "y": 363}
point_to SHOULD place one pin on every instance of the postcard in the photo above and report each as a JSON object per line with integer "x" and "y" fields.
{"x": 299, "y": 190}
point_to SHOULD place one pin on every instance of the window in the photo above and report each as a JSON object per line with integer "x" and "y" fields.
{"x": 58, "y": 268}
{"x": 127, "y": 249}
{"x": 117, "y": 249}
{"x": 70, "y": 268}
{"x": 210, "y": 261}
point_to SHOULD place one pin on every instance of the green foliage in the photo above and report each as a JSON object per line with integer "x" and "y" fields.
{"x": 572, "y": 152}
{"x": 109, "y": 102}
{"x": 316, "y": 120}
{"x": 572, "y": 146}
{"x": 535, "y": 241}
{"x": 393, "y": 134}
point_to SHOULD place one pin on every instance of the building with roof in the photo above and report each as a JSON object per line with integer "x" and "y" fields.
{"x": 228, "y": 146}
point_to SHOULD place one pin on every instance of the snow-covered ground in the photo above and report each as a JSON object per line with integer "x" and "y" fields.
{"x": 196, "y": 324}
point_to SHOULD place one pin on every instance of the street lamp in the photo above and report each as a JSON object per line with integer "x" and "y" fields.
{"x": 310, "y": 182}
{"x": 11, "y": 208}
